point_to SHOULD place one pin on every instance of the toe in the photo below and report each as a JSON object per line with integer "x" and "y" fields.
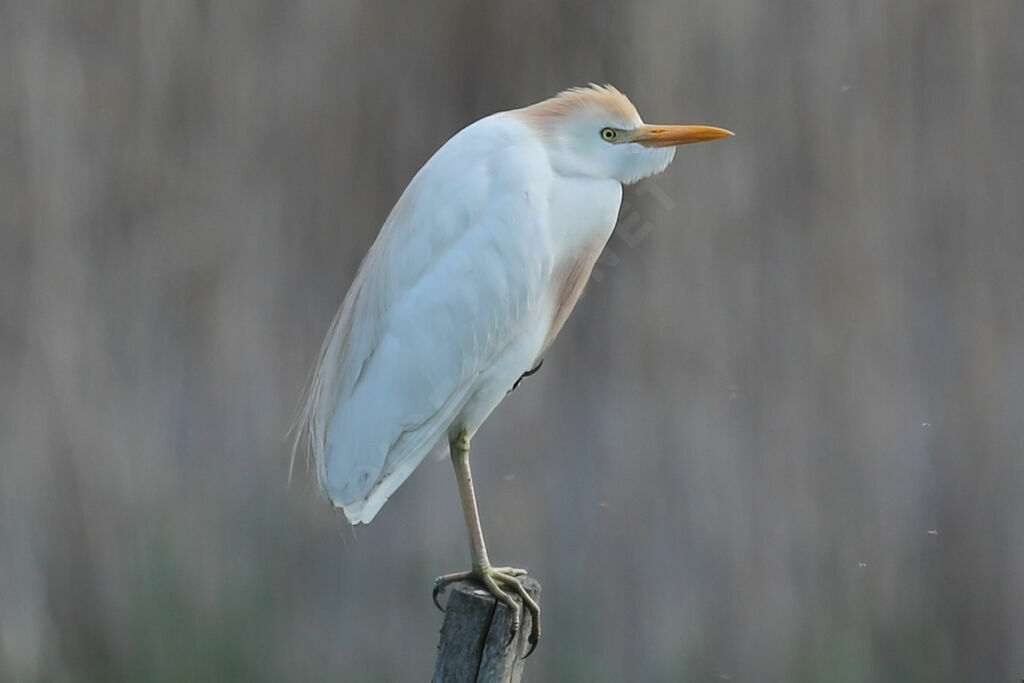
{"x": 442, "y": 582}
{"x": 510, "y": 571}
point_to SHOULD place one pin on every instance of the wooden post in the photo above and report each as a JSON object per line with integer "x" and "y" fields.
{"x": 477, "y": 644}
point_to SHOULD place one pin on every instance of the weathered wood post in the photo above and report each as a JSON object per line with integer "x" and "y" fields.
{"x": 477, "y": 644}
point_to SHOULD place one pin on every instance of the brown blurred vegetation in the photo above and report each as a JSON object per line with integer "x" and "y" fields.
{"x": 782, "y": 438}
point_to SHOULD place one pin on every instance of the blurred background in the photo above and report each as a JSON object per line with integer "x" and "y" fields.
{"x": 781, "y": 439}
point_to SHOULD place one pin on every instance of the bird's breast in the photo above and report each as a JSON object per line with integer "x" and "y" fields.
{"x": 582, "y": 216}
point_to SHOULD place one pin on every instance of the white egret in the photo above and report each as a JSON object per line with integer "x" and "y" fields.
{"x": 470, "y": 279}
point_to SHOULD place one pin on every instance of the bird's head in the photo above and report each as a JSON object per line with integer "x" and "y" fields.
{"x": 596, "y": 131}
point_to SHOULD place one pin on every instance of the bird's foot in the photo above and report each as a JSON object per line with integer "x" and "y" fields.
{"x": 529, "y": 373}
{"x": 493, "y": 578}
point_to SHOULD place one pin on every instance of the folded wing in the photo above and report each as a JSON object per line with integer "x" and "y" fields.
{"x": 444, "y": 290}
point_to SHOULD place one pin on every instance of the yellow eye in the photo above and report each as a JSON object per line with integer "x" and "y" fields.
{"x": 609, "y": 134}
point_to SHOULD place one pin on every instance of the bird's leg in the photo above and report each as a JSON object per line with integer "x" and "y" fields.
{"x": 491, "y": 577}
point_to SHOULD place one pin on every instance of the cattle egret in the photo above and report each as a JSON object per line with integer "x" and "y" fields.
{"x": 469, "y": 281}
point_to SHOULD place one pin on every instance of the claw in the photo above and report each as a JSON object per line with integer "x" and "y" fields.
{"x": 526, "y": 374}
{"x": 532, "y": 640}
{"x": 433, "y": 596}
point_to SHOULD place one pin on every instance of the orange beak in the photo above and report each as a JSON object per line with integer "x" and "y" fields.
{"x": 668, "y": 136}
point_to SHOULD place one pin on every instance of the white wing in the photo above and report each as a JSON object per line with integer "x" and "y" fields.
{"x": 445, "y": 288}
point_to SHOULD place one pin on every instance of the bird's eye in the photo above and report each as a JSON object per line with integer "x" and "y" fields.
{"x": 609, "y": 134}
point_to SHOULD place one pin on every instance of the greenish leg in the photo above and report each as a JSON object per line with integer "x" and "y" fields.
{"x": 492, "y": 578}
